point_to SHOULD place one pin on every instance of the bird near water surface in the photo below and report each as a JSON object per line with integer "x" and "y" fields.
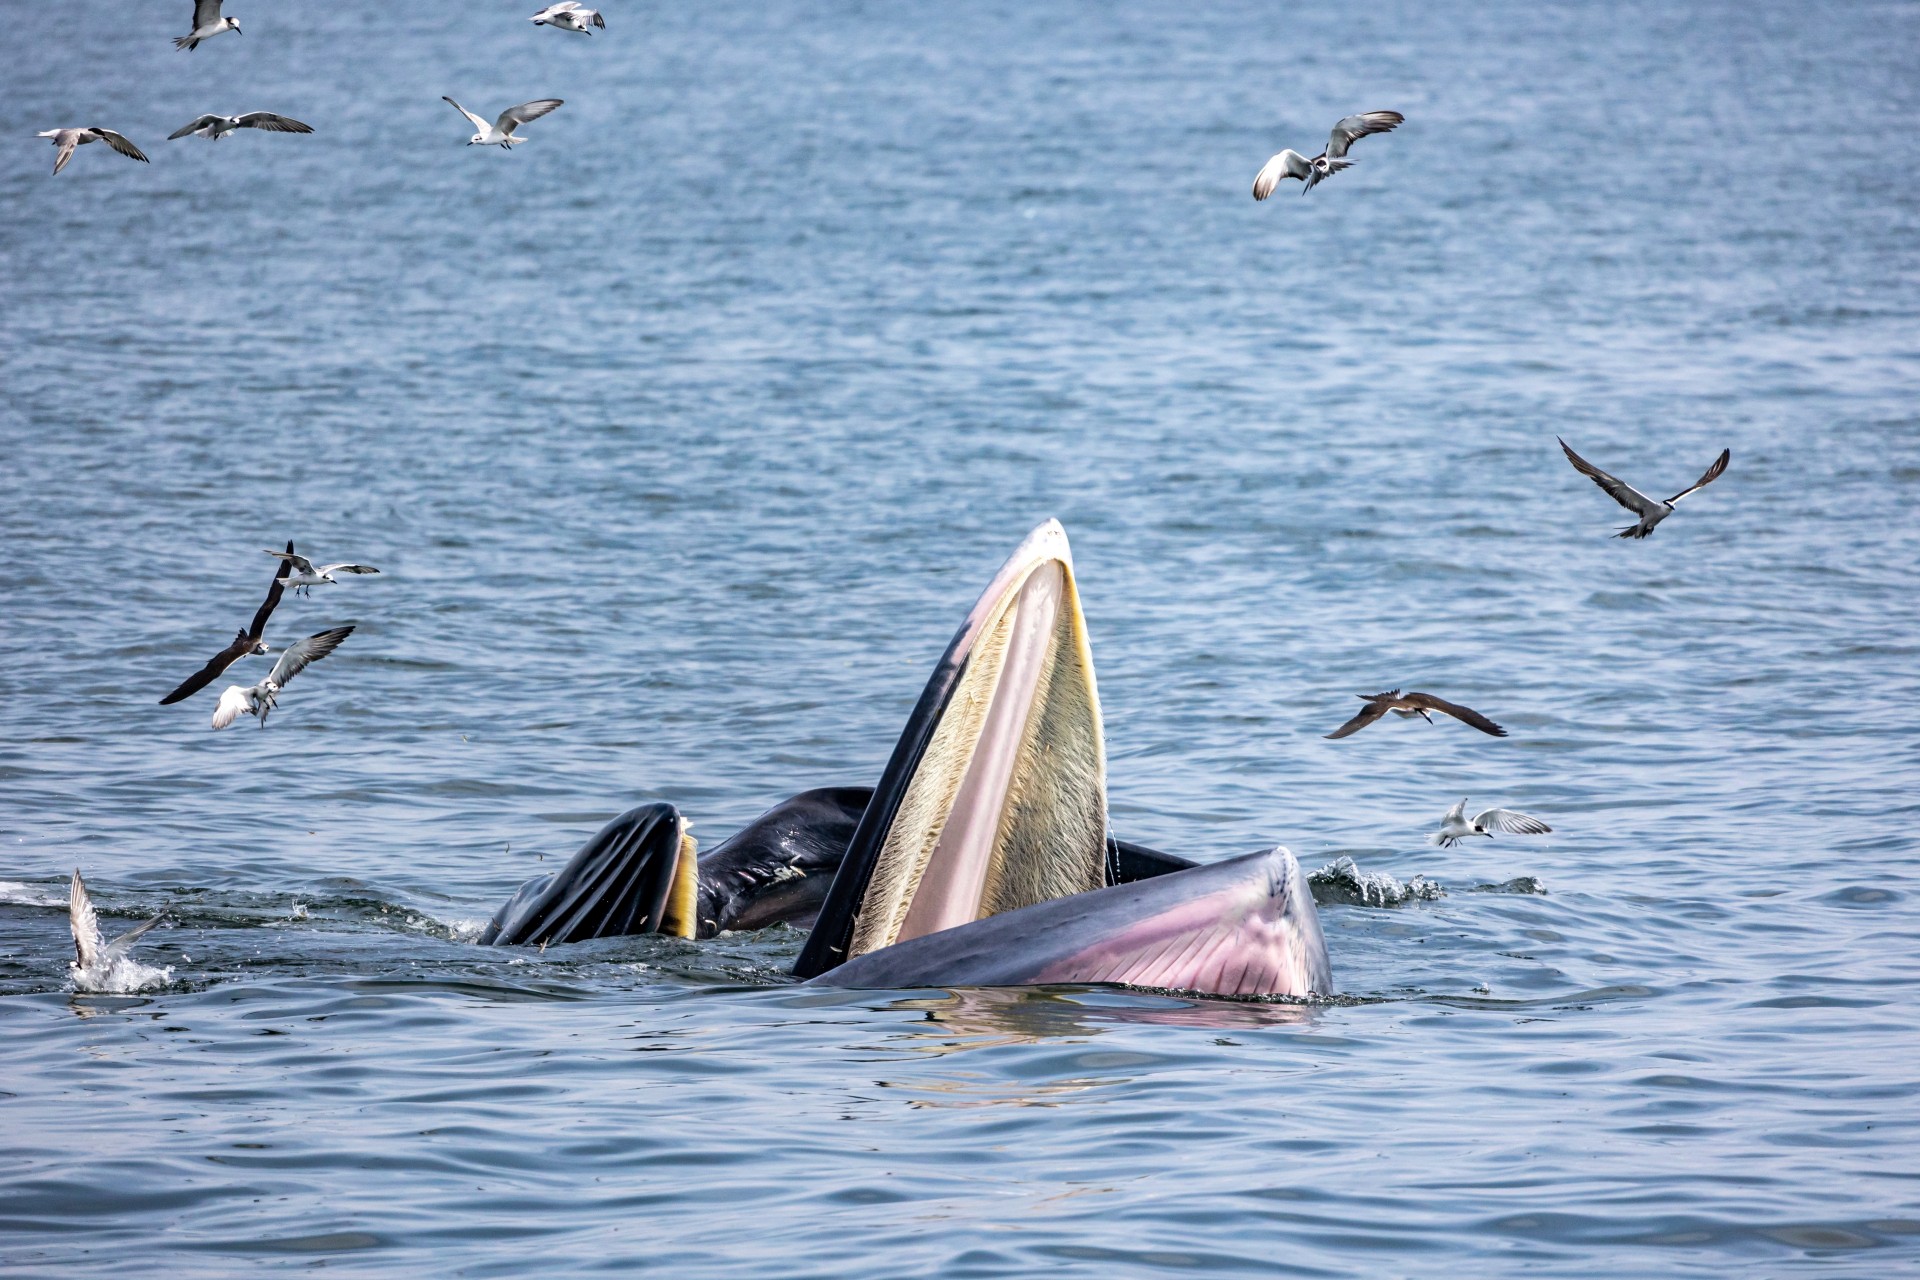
{"x": 1414, "y": 704}
{"x": 1650, "y": 510}
{"x": 207, "y": 23}
{"x": 1291, "y": 164}
{"x": 569, "y": 15}
{"x": 307, "y": 575}
{"x": 1456, "y": 826}
{"x": 216, "y": 126}
{"x": 260, "y": 699}
{"x": 67, "y": 139}
{"x": 501, "y": 132}
{"x": 246, "y": 643}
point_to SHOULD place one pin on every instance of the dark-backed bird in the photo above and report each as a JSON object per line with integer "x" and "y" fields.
{"x": 212, "y": 126}
{"x": 569, "y": 15}
{"x": 1456, "y": 826}
{"x": 207, "y": 23}
{"x": 1650, "y": 510}
{"x": 1414, "y": 704}
{"x": 67, "y": 139}
{"x": 1291, "y": 164}
{"x": 307, "y": 575}
{"x": 261, "y": 699}
{"x": 501, "y": 132}
{"x": 245, "y": 644}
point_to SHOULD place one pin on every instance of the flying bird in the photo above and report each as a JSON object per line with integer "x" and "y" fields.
{"x": 94, "y": 957}
{"x": 1456, "y": 827}
{"x": 501, "y": 132}
{"x": 212, "y": 126}
{"x": 207, "y": 23}
{"x": 246, "y": 643}
{"x": 1414, "y": 704}
{"x": 307, "y": 575}
{"x": 1291, "y": 164}
{"x": 1650, "y": 510}
{"x": 262, "y": 698}
{"x": 68, "y": 139}
{"x": 569, "y": 16}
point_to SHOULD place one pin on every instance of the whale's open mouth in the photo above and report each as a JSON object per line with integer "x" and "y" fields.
{"x": 995, "y": 796}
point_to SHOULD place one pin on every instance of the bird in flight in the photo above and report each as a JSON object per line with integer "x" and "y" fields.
{"x": 93, "y": 956}
{"x": 1456, "y": 827}
{"x": 1650, "y": 510}
{"x": 212, "y": 126}
{"x": 307, "y": 575}
{"x": 568, "y": 15}
{"x": 207, "y": 23}
{"x": 501, "y": 132}
{"x": 245, "y": 644}
{"x": 1291, "y": 164}
{"x": 1414, "y": 704}
{"x": 260, "y": 699}
{"x": 68, "y": 139}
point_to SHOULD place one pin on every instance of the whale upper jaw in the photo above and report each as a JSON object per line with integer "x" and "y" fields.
{"x": 995, "y": 795}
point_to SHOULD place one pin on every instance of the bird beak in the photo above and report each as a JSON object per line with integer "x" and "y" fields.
{"x": 1426, "y": 717}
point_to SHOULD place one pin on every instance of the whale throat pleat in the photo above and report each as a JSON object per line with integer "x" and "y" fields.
{"x": 1007, "y": 806}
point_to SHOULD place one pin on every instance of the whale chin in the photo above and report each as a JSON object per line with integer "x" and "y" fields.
{"x": 995, "y": 796}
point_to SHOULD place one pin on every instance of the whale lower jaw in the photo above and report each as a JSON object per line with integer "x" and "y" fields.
{"x": 1243, "y": 927}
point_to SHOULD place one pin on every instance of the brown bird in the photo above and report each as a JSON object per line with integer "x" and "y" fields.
{"x": 1650, "y": 510}
{"x": 1414, "y": 704}
{"x": 245, "y": 643}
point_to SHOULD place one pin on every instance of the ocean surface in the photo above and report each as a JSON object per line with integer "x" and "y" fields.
{"x": 684, "y": 434}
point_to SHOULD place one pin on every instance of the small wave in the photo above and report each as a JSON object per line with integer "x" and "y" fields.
{"x": 26, "y": 895}
{"x": 1342, "y": 882}
{"x": 1519, "y": 884}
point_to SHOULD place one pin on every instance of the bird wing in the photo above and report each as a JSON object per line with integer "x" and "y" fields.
{"x": 1619, "y": 490}
{"x": 1287, "y": 164}
{"x": 1519, "y": 824}
{"x": 301, "y": 563}
{"x": 194, "y": 126}
{"x": 348, "y": 568}
{"x": 119, "y": 142}
{"x": 124, "y": 943}
{"x": 478, "y": 123}
{"x": 1368, "y": 714}
{"x": 1466, "y": 715}
{"x": 513, "y": 117}
{"x": 66, "y": 140}
{"x": 87, "y": 943}
{"x": 597, "y": 20}
{"x": 303, "y": 653}
{"x": 233, "y": 705}
{"x": 1458, "y": 813}
{"x": 270, "y": 122}
{"x": 205, "y": 13}
{"x": 1713, "y": 473}
{"x": 1354, "y": 128}
{"x": 274, "y": 591}
{"x": 215, "y": 665}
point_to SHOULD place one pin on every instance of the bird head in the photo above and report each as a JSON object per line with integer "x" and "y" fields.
{"x": 233, "y": 24}
{"x": 260, "y": 647}
{"x": 476, "y": 139}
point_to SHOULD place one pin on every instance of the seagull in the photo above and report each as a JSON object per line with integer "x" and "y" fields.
{"x": 569, "y": 16}
{"x": 207, "y": 23}
{"x": 1650, "y": 510}
{"x": 1414, "y": 704}
{"x": 501, "y": 132}
{"x": 261, "y": 699}
{"x": 211, "y": 126}
{"x": 245, "y": 644}
{"x": 1454, "y": 827}
{"x": 1291, "y": 164}
{"x": 94, "y": 958}
{"x": 68, "y": 139}
{"x": 307, "y": 575}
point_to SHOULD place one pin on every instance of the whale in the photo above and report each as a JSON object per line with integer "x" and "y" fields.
{"x": 981, "y": 856}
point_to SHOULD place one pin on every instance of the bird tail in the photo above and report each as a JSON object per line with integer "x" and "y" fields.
{"x": 1444, "y": 841}
{"x": 185, "y": 42}
{"x": 1634, "y": 531}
